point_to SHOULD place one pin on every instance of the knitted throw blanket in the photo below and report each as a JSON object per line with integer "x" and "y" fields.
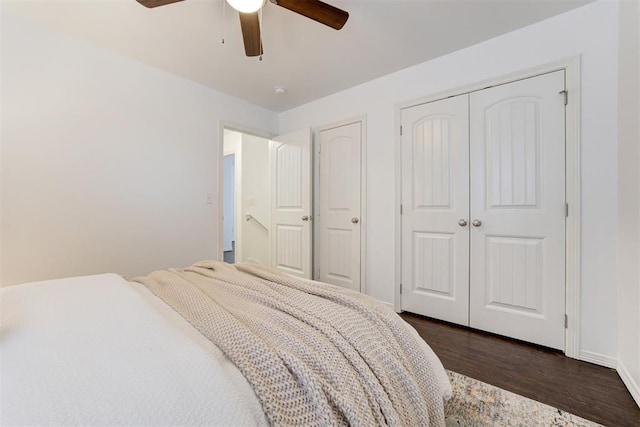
{"x": 315, "y": 354}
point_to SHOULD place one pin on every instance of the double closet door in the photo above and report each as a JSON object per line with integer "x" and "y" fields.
{"x": 483, "y": 200}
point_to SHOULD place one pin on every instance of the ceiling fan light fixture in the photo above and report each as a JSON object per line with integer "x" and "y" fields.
{"x": 246, "y": 6}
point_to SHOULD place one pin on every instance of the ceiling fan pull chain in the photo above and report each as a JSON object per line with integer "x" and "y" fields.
{"x": 261, "y": 33}
{"x": 223, "y": 13}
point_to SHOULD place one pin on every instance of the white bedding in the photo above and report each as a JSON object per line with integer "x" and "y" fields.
{"x": 98, "y": 350}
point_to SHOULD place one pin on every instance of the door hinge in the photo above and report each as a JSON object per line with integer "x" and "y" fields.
{"x": 566, "y": 321}
{"x": 400, "y": 209}
{"x": 566, "y": 96}
{"x": 566, "y": 210}
{"x": 400, "y": 130}
{"x": 401, "y": 288}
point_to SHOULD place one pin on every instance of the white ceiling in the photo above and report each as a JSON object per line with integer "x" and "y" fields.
{"x": 309, "y": 59}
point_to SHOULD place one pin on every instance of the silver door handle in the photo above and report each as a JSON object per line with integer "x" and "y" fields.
{"x": 476, "y": 223}
{"x": 462, "y": 223}
{"x": 355, "y": 220}
{"x": 305, "y": 218}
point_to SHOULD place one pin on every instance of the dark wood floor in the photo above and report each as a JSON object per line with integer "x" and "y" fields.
{"x": 589, "y": 391}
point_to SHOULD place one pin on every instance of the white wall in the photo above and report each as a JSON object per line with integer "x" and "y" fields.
{"x": 629, "y": 197}
{"x": 106, "y": 162}
{"x": 590, "y": 31}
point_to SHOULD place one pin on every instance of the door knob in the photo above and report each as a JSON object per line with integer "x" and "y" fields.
{"x": 305, "y": 218}
{"x": 462, "y": 223}
{"x": 355, "y": 220}
{"x": 476, "y": 223}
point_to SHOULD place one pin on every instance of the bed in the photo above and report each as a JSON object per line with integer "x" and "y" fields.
{"x": 211, "y": 344}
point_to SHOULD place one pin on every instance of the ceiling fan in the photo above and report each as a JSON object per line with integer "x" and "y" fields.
{"x": 250, "y": 23}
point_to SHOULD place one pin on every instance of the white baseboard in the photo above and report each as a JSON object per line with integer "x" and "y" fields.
{"x": 598, "y": 359}
{"x": 632, "y": 386}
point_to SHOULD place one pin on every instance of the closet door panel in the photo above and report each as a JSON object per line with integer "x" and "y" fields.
{"x": 517, "y": 189}
{"x": 435, "y": 198}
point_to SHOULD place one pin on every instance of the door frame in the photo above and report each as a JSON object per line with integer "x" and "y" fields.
{"x": 362, "y": 119}
{"x": 571, "y": 66}
{"x": 222, "y": 125}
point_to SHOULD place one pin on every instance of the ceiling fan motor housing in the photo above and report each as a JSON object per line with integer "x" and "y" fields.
{"x": 248, "y": 10}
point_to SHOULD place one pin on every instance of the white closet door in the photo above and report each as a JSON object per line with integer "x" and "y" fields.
{"x": 518, "y": 210}
{"x": 435, "y": 203}
{"x": 290, "y": 233}
{"x": 339, "y": 205}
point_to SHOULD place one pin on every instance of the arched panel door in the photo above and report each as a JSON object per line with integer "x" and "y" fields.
{"x": 435, "y": 209}
{"x": 518, "y": 205}
{"x": 340, "y": 215}
{"x": 291, "y": 230}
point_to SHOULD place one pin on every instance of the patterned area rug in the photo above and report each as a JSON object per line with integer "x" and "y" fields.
{"x": 475, "y": 403}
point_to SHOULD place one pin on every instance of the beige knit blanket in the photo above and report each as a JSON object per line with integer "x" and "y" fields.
{"x": 315, "y": 354}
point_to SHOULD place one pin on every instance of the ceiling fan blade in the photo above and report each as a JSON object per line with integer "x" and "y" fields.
{"x": 250, "y": 25}
{"x": 318, "y": 11}
{"x": 156, "y": 3}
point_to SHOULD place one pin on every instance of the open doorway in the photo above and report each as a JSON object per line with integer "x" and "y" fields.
{"x": 229, "y": 208}
{"x": 272, "y": 183}
{"x": 246, "y": 198}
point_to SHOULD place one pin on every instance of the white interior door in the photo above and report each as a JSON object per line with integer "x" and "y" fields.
{"x": 340, "y": 205}
{"x": 435, "y": 205}
{"x": 518, "y": 210}
{"x": 290, "y": 237}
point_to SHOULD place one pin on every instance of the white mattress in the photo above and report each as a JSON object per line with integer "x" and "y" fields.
{"x": 98, "y": 350}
